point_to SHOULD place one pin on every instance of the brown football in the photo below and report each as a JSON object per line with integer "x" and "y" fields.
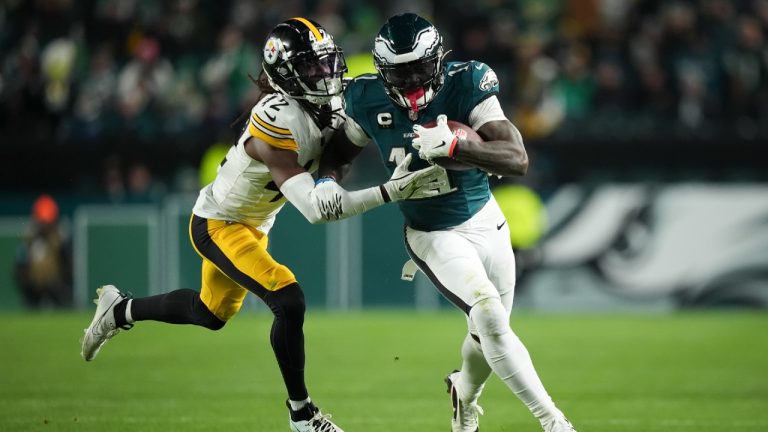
{"x": 463, "y": 132}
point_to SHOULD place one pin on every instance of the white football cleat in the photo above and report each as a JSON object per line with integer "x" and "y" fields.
{"x": 466, "y": 416}
{"x": 310, "y": 419}
{"x": 103, "y": 325}
{"x": 558, "y": 425}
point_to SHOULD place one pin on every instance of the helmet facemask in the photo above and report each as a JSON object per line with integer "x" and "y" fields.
{"x": 413, "y": 85}
{"x": 316, "y": 77}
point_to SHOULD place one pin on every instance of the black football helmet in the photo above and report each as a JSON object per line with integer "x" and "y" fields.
{"x": 408, "y": 54}
{"x": 301, "y": 61}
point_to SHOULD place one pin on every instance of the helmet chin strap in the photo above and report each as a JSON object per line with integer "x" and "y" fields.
{"x": 413, "y": 98}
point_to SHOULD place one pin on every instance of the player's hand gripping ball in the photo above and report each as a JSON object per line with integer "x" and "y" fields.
{"x": 431, "y": 136}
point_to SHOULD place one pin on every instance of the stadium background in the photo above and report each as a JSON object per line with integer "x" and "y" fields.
{"x": 636, "y": 114}
{"x": 646, "y": 123}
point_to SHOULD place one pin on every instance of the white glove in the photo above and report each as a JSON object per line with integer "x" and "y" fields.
{"x": 439, "y": 186}
{"x": 435, "y": 142}
{"x": 424, "y": 183}
{"x": 327, "y": 198}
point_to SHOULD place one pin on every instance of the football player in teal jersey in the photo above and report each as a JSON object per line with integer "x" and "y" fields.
{"x": 460, "y": 240}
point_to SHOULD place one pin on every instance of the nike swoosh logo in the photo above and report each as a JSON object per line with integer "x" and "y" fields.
{"x": 271, "y": 117}
{"x": 442, "y": 143}
{"x": 499, "y": 226}
{"x": 403, "y": 187}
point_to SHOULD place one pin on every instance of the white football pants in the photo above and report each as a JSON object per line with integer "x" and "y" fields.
{"x": 473, "y": 266}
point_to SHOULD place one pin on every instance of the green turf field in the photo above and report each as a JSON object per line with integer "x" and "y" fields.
{"x": 383, "y": 371}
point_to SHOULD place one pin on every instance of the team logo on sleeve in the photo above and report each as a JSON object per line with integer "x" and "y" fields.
{"x": 489, "y": 80}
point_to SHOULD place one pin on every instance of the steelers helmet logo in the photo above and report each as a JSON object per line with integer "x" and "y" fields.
{"x": 272, "y": 50}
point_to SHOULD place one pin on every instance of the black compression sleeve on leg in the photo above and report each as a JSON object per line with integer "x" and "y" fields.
{"x": 287, "y": 337}
{"x": 182, "y": 306}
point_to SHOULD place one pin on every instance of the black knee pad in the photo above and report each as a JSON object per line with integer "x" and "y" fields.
{"x": 287, "y": 302}
{"x": 204, "y": 317}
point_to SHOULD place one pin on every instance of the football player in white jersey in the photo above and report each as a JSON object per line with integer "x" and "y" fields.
{"x": 271, "y": 162}
{"x": 459, "y": 240}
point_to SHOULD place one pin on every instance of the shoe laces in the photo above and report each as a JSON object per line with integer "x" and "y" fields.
{"x": 322, "y": 423}
{"x": 476, "y": 409}
{"x": 470, "y": 413}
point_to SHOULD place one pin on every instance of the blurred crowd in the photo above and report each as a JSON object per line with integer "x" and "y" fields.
{"x": 104, "y": 72}
{"x": 624, "y": 69}
{"x": 96, "y": 71}
{"x": 170, "y": 78}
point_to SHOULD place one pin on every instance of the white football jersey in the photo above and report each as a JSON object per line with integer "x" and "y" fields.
{"x": 243, "y": 190}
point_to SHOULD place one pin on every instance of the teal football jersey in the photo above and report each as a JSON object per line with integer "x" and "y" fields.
{"x": 466, "y": 85}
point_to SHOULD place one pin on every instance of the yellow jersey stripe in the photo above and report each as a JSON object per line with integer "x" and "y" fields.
{"x": 281, "y": 143}
{"x": 270, "y": 127}
{"x": 269, "y": 132}
{"x": 312, "y": 28}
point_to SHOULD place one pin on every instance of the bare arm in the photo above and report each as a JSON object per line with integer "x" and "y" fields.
{"x": 282, "y": 164}
{"x": 337, "y": 155}
{"x": 502, "y": 152}
{"x": 290, "y": 177}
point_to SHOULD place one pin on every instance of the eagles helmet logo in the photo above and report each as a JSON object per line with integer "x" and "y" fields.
{"x": 489, "y": 80}
{"x": 424, "y": 43}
